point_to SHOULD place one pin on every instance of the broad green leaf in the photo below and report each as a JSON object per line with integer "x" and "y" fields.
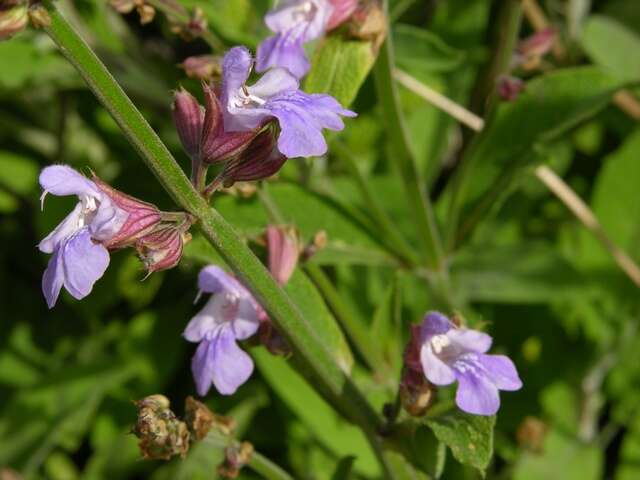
{"x": 615, "y": 203}
{"x": 339, "y": 67}
{"x": 338, "y": 436}
{"x": 609, "y": 43}
{"x": 523, "y": 273}
{"x": 470, "y": 437}
{"x": 551, "y": 105}
{"x": 421, "y": 52}
{"x": 306, "y": 297}
{"x": 562, "y": 457}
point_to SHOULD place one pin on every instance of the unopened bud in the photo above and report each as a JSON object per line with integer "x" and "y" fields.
{"x": 318, "y": 242}
{"x": 283, "y": 248}
{"x": 161, "y": 249}
{"x": 236, "y": 457}
{"x": 217, "y": 145}
{"x": 193, "y": 28}
{"x": 142, "y": 217}
{"x": 14, "y": 17}
{"x": 39, "y": 16}
{"x": 202, "y": 67}
{"x": 342, "y": 10}
{"x": 146, "y": 12}
{"x": 123, "y": 6}
{"x": 273, "y": 340}
{"x": 416, "y": 393}
{"x": 259, "y": 160}
{"x": 530, "y": 51}
{"x": 531, "y": 434}
{"x": 188, "y": 116}
{"x": 369, "y": 23}
{"x": 509, "y": 88}
{"x": 200, "y": 419}
{"x": 161, "y": 434}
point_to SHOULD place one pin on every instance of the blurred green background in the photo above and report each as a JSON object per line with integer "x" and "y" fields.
{"x": 528, "y": 272}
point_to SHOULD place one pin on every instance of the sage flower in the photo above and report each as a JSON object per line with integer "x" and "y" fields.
{"x": 449, "y": 354}
{"x": 230, "y": 314}
{"x": 294, "y": 22}
{"x": 79, "y": 257}
{"x": 301, "y": 116}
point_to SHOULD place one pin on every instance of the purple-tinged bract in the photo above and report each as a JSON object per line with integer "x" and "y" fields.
{"x": 301, "y": 116}
{"x": 449, "y": 354}
{"x": 230, "y": 314}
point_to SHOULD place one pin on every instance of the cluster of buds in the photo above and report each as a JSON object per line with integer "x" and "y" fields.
{"x": 15, "y": 15}
{"x": 245, "y": 156}
{"x": 368, "y": 22}
{"x": 162, "y": 435}
{"x": 146, "y": 12}
{"x": 193, "y": 28}
{"x": 236, "y": 456}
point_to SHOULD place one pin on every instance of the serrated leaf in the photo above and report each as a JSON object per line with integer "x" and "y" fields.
{"x": 470, "y": 437}
{"x": 339, "y": 68}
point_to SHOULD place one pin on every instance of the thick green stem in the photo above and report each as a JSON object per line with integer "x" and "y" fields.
{"x": 403, "y": 156}
{"x": 310, "y": 351}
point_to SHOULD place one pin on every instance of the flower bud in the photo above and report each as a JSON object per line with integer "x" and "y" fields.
{"x": 283, "y": 247}
{"x": 259, "y": 160}
{"x": 160, "y": 432}
{"x": 531, "y": 434}
{"x": 14, "y": 17}
{"x": 369, "y": 23}
{"x": 318, "y": 242}
{"x": 188, "y": 117}
{"x": 123, "y": 6}
{"x": 416, "y": 393}
{"x": 202, "y": 67}
{"x": 342, "y": 10}
{"x": 200, "y": 419}
{"x": 147, "y": 13}
{"x": 538, "y": 44}
{"x": 161, "y": 249}
{"x": 272, "y": 339}
{"x": 142, "y": 217}
{"x": 509, "y": 87}
{"x": 236, "y": 456}
{"x": 194, "y": 27}
{"x": 218, "y": 145}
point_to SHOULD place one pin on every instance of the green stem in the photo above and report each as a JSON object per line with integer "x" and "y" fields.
{"x": 415, "y": 187}
{"x": 388, "y": 231}
{"x": 286, "y": 316}
{"x": 356, "y": 331}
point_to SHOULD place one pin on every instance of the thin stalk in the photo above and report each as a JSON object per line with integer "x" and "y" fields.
{"x": 389, "y": 232}
{"x": 356, "y": 331}
{"x": 415, "y": 187}
{"x": 310, "y": 351}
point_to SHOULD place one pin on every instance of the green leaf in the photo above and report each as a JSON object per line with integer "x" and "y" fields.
{"x": 470, "y": 437}
{"x": 339, "y": 67}
{"x": 304, "y": 294}
{"x": 421, "y": 52}
{"x": 608, "y": 43}
{"x": 577, "y": 460}
{"x": 551, "y": 105}
{"x": 523, "y": 273}
{"x": 338, "y": 436}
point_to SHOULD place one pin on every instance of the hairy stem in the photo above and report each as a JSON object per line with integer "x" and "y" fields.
{"x": 309, "y": 349}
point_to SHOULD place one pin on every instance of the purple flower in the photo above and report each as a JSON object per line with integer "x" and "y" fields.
{"x": 230, "y": 314}
{"x": 294, "y": 23}
{"x": 449, "y": 354}
{"x": 79, "y": 256}
{"x": 301, "y": 116}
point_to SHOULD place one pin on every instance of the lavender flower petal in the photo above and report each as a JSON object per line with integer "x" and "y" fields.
{"x": 470, "y": 340}
{"x": 202, "y": 366}
{"x": 64, "y": 230}
{"x": 501, "y": 371}
{"x": 436, "y": 371}
{"x": 435, "y": 323}
{"x": 212, "y": 279}
{"x": 53, "y": 279}
{"x": 61, "y": 180}
{"x": 231, "y": 365}
{"x": 281, "y": 50}
{"x": 84, "y": 262}
{"x": 477, "y": 394}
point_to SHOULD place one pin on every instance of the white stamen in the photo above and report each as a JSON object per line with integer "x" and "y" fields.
{"x": 439, "y": 343}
